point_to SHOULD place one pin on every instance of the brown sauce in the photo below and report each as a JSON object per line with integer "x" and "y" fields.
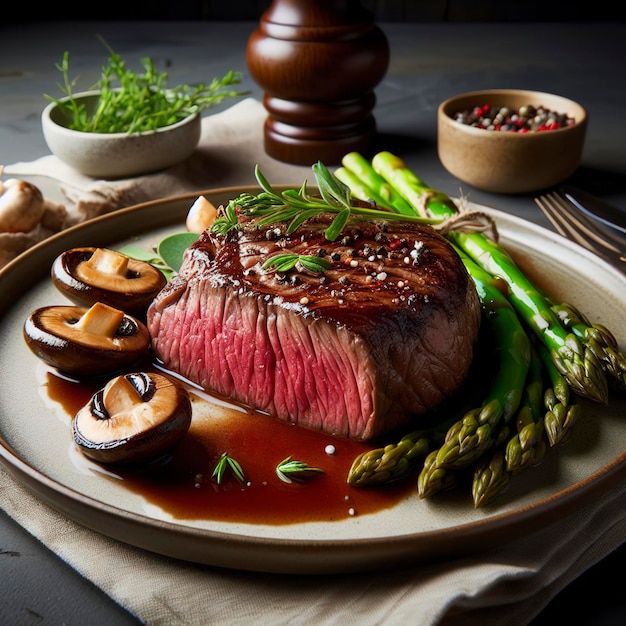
{"x": 182, "y": 485}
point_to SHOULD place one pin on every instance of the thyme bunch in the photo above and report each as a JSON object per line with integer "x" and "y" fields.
{"x": 137, "y": 101}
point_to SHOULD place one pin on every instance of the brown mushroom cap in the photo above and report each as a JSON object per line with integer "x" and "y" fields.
{"x": 86, "y": 342}
{"x": 89, "y": 275}
{"x": 135, "y": 418}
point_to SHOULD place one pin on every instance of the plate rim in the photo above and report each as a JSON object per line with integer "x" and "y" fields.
{"x": 322, "y": 556}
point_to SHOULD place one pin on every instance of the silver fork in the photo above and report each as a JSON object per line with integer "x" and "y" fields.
{"x": 570, "y": 222}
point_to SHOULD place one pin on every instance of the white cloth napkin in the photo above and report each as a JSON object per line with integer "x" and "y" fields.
{"x": 509, "y": 585}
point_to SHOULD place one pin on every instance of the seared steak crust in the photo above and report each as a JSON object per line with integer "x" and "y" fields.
{"x": 363, "y": 348}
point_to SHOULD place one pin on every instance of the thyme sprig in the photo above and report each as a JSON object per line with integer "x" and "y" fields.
{"x": 227, "y": 463}
{"x": 295, "y": 207}
{"x": 290, "y": 470}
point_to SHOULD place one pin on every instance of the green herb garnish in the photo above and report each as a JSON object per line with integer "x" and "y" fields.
{"x": 229, "y": 463}
{"x": 270, "y": 207}
{"x": 149, "y": 256}
{"x": 289, "y": 470}
{"x": 172, "y": 248}
{"x": 168, "y": 257}
{"x": 138, "y": 102}
{"x": 287, "y": 261}
{"x": 294, "y": 207}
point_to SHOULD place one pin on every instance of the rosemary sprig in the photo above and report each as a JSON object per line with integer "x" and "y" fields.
{"x": 294, "y": 207}
{"x": 226, "y": 462}
{"x": 286, "y": 261}
{"x": 290, "y": 470}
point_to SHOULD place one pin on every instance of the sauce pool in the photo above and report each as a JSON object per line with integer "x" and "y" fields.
{"x": 182, "y": 484}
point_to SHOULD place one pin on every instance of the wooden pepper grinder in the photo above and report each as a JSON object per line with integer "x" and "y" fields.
{"x": 318, "y": 62}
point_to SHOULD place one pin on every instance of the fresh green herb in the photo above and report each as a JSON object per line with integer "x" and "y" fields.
{"x": 228, "y": 220}
{"x": 172, "y": 248}
{"x": 168, "y": 256}
{"x": 149, "y": 256}
{"x": 138, "y": 102}
{"x": 271, "y": 207}
{"x": 296, "y": 206}
{"x": 287, "y": 261}
{"x": 229, "y": 463}
{"x": 142, "y": 254}
{"x": 296, "y": 471}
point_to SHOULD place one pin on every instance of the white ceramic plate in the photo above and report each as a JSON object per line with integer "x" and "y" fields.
{"x": 34, "y": 447}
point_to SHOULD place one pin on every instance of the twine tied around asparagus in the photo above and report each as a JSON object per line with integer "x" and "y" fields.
{"x": 470, "y": 221}
{"x": 464, "y": 219}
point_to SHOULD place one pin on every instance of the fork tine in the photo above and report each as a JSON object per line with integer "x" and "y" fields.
{"x": 561, "y": 226}
{"x": 592, "y": 228}
{"x": 566, "y": 222}
{"x": 546, "y": 209}
{"x": 569, "y": 222}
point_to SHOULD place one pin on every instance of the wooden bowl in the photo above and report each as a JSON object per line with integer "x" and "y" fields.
{"x": 504, "y": 161}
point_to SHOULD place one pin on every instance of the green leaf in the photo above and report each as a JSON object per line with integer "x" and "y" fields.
{"x": 299, "y": 219}
{"x": 149, "y": 256}
{"x": 315, "y": 263}
{"x": 337, "y": 225}
{"x": 331, "y": 188}
{"x": 141, "y": 254}
{"x": 281, "y": 262}
{"x": 172, "y": 248}
{"x": 263, "y": 181}
{"x": 279, "y": 216}
{"x": 228, "y": 220}
{"x": 287, "y": 261}
{"x": 225, "y": 462}
{"x": 290, "y": 470}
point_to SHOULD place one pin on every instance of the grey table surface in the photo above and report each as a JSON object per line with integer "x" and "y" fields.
{"x": 429, "y": 62}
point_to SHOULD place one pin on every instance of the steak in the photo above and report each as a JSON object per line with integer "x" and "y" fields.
{"x": 363, "y": 348}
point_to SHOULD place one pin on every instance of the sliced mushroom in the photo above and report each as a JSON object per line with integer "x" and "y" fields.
{"x": 89, "y": 275}
{"x": 135, "y": 418}
{"x": 86, "y": 342}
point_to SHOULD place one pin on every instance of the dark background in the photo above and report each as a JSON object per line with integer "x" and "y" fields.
{"x": 382, "y": 10}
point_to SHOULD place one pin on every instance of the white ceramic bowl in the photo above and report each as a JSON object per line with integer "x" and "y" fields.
{"x": 118, "y": 155}
{"x": 510, "y": 162}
